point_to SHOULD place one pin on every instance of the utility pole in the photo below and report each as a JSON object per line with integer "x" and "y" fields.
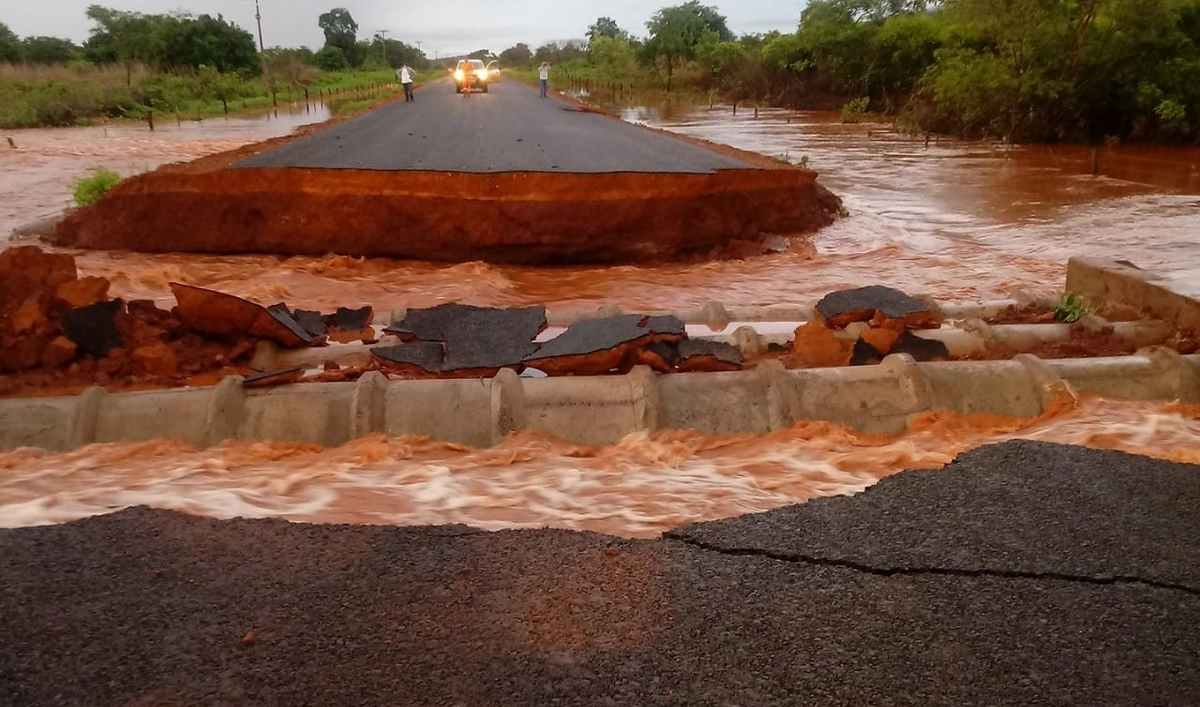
{"x": 382, "y": 34}
{"x": 262, "y": 50}
{"x": 258, "y": 18}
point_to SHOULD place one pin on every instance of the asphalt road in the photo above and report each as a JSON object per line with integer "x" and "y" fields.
{"x": 1023, "y": 574}
{"x": 509, "y": 129}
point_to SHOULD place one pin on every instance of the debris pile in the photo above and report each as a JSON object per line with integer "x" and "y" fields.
{"x": 60, "y": 331}
{"x": 464, "y": 341}
{"x": 879, "y": 320}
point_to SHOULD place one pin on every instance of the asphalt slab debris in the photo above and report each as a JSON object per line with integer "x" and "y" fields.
{"x": 862, "y": 304}
{"x": 475, "y": 338}
{"x": 990, "y": 583}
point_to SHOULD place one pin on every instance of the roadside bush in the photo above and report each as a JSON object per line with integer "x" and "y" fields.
{"x": 853, "y": 111}
{"x": 91, "y": 189}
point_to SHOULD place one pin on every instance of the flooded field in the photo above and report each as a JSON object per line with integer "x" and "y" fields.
{"x": 952, "y": 219}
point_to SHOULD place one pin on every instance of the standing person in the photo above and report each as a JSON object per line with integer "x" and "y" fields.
{"x": 406, "y": 80}
{"x": 544, "y": 77}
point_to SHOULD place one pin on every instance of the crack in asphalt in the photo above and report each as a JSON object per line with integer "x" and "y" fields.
{"x": 933, "y": 571}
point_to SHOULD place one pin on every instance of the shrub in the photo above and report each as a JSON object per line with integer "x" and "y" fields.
{"x": 1071, "y": 308}
{"x": 91, "y": 189}
{"x": 853, "y": 111}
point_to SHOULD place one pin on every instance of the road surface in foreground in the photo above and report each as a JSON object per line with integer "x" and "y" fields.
{"x": 509, "y": 129}
{"x": 1023, "y": 573}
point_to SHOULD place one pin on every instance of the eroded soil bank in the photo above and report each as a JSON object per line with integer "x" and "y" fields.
{"x": 510, "y": 217}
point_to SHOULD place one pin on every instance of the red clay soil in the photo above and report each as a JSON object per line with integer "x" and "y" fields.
{"x": 511, "y": 217}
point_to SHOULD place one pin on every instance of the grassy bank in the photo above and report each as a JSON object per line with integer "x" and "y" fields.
{"x": 61, "y": 96}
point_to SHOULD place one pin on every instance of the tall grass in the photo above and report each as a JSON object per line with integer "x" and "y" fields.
{"x": 59, "y": 96}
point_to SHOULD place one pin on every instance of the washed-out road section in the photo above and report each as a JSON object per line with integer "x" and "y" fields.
{"x": 504, "y": 176}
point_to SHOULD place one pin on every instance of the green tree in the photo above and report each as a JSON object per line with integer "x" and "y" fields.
{"x": 49, "y": 50}
{"x": 10, "y": 45}
{"x": 516, "y": 55}
{"x": 561, "y": 52}
{"x": 718, "y": 58}
{"x": 604, "y": 27}
{"x": 332, "y": 58}
{"x": 208, "y": 41}
{"x": 675, "y": 31}
{"x": 128, "y": 38}
{"x": 611, "y": 56}
{"x": 341, "y": 31}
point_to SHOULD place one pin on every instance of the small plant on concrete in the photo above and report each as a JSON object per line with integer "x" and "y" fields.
{"x": 1071, "y": 308}
{"x": 854, "y": 110}
{"x": 91, "y": 189}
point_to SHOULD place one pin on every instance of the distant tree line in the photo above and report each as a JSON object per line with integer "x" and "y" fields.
{"x": 1029, "y": 70}
{"x": 181, "y": 41}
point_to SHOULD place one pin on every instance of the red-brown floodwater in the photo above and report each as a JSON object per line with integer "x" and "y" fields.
{"x": 953, "y": 219}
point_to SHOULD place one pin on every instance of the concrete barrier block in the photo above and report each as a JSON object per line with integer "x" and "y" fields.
{"x": 1051, "y": 387}
{"x": 507, "y": 404}
{"x": 40, "y": 422}
{"x": 82, "y": 430}
{"x": 226, "y": 405}
{"x": 1112, "y": 282}
{"x": 458, "y": 411}
{"x": 984, "y": 387}
{"x": 138, "y": 417}
{"x": 866, "y": 398}
{"x": 716, "y": 403}
{"x": 370, "y": 404}
{"x": 597, "y": 410}
{"x": 1149, "y": 375}
{"x": 782, "y": 394}
{"x": 318, "y": 413}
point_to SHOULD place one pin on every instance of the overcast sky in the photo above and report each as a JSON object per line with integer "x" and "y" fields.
{"x": 451, "y": 27}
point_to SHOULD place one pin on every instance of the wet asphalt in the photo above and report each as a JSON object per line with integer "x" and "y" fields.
{"x": 1024, "y": 574}
{"x": 508, "y": 129}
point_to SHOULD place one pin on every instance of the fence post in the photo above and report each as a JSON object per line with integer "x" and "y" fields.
{"x": 1095, "y": 162}
{"x": 735, "y": 107}
{"x": 225, "y": 105}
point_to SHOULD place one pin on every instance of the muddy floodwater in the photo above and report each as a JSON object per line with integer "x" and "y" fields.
{"x": 958, "y": 220}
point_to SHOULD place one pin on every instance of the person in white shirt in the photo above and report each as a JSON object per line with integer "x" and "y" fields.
{"x": 406, "y": 80}
{"x": 544, "y": 77}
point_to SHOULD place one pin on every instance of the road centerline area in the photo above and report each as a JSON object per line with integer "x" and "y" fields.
{"x": 508, "y": 129}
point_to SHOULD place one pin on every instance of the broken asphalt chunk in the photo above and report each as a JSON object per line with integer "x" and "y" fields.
{"x": 702, "y": 355}
{"x": 479, "y": 340}
{"x": 595, "y": 346}
{"x": 312, "y": 322}
{"x": 349, "y": 320}
{"x": 94, "y": 328}
{"x": 423, "y": 357}
{"x": 220, "y": 314}
{"x": 875, "y": 303}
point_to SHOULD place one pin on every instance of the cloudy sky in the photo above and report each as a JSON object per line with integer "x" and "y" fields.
{"x": 451, "y": 27}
